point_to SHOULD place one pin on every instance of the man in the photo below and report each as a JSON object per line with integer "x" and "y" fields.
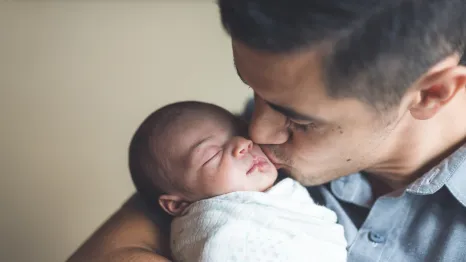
{"x": 343, "y": 86}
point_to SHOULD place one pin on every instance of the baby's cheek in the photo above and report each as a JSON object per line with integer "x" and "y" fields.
{"x": 221, "y": 183}
{"x": 233, "y": 182}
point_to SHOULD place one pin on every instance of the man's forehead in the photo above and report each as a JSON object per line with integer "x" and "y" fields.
{"x": 290, "y": 82}
{"x": 277, "y": 72}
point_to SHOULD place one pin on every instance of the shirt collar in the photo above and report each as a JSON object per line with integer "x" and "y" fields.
{"x": 451, "y": 172}
{"x": 353, "y": 189}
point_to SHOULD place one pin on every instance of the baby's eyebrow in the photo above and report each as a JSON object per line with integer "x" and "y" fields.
{"x": 196, "y": 145}
{"x": 199, "y": 143}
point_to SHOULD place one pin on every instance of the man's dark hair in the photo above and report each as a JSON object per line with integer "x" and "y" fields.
{"x": 375, "y": 48}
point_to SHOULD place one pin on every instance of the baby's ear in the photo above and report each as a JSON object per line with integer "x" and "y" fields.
{"x": 173, "y": 205}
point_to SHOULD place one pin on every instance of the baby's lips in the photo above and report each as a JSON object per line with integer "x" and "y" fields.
{"x": 252, "y": 168}
{"x": 257, "y": 163}
{"x": 264, "y": 165}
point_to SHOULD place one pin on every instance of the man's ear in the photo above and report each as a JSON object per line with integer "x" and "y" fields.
{"x": 173, "y": 205}
{"x": 438, "y": 87}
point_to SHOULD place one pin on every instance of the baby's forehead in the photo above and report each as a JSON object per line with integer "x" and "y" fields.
{"x": 174, "y": 132}
{"x": 193, "y": 130}
{"x": 187, "y": 130}
{"x": 202, "y": 118}
{"x": 181, "y": 142}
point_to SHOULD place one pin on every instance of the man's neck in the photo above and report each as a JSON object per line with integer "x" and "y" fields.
{"x": 417, "y": 146}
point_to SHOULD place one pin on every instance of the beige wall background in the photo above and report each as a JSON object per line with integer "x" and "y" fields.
{"x": 76, "y": 78}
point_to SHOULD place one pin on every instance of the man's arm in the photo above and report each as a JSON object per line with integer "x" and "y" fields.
{"x": 128, "y": 236}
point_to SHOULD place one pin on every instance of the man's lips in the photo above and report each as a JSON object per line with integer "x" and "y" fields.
{"x": 272, "y": 158}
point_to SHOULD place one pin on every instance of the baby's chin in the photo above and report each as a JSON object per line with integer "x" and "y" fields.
{"x": 270, "y": 178}
{"x": 268, "y": 186}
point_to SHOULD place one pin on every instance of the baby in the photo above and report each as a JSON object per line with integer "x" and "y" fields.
{"x": 193, "y": 160}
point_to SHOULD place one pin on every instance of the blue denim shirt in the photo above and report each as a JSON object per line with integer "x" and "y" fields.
{"x": 424, "y": 222}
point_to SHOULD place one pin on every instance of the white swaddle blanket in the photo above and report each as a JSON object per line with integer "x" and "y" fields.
{"x": 282, "y": 224}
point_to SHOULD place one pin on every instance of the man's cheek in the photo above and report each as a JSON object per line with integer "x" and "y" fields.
{"x": 308, "y": 147}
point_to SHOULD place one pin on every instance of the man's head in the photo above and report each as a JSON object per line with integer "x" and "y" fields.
{"x": 189, "y": 151}
{"x": 337, "y": 83}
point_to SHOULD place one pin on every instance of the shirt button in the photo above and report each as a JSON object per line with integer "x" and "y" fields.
{"x": 376, "y": 238}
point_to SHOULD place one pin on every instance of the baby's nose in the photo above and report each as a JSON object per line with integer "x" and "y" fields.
{"x": 242, "y": 146}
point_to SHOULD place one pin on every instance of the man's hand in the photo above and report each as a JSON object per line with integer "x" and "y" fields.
{"x": 128, "y": 236}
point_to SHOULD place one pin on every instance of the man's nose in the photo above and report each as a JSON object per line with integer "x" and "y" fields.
{"x": 267, "y": 126}
{"x": 242, "y": 146}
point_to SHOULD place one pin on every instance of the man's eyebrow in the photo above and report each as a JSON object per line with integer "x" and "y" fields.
{"x": 291, "y": 113}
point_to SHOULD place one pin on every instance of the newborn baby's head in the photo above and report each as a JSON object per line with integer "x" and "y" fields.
{"x": 188, "y": 151}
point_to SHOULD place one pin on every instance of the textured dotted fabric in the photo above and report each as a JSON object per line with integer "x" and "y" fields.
{"x": 282, "y": 224}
